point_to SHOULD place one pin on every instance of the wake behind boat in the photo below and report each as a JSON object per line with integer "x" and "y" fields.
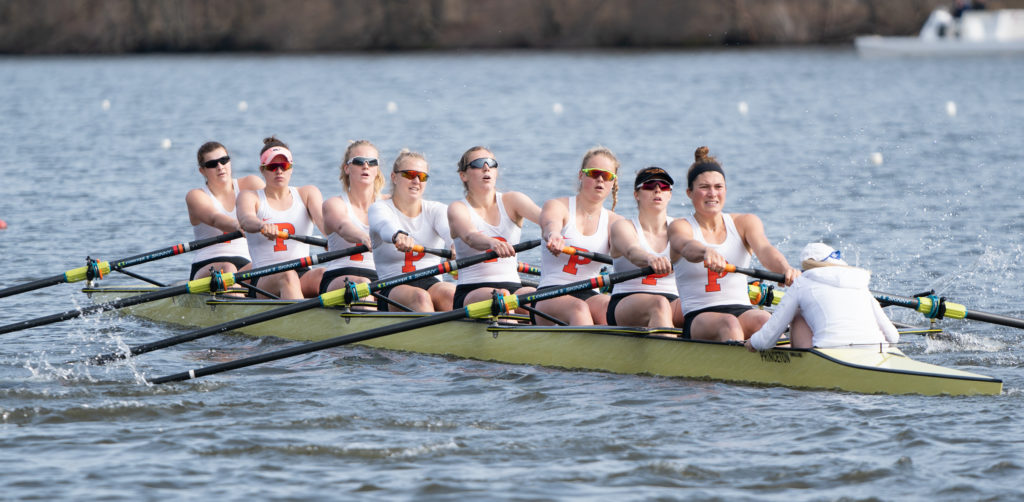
{"x": 974, "y": 33}
{"x": 623, "y": 350}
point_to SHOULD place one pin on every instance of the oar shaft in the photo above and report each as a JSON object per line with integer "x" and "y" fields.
{"x": 526, "y": 268}
{"x": 422, "y": 322}
{"x": 756, "y": 272}
{"x": 443, "y": 253}
{"x": 598, "y": 257}
{"x": 75, "y": 275}
{"x": 308, "y": 239}
{"x": 479, "y": 309}
{"x": 927, "y": 304}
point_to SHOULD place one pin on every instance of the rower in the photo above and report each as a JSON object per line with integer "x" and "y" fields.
{"x": 211, "y": 210}
{"x": 402, "y": 222}
{"x": 650, "y": 301}
{"x": 829, "y": 305}
{"x": 486, "y": 219}
{"x": 580, "y": 221}
{"x": 281, "y": 207}
{"x": 345, "y": 216}
{"x": 717, "y": 306}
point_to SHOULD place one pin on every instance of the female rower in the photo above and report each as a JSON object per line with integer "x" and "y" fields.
{"x": 211, "y": 210}
{"x": 484, "y": 220}
{"x": 717, "y": 306}
{"x": 281, "y": 207}
{"x": 650, "y": 301}
{"x": 406, "y": 220}
{"x": 582, "y": 222}
{"x": 345, "y": 216}
{"x": 830, "y": 305}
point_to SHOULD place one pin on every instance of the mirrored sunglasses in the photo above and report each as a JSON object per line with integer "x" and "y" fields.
{"x": 600, "y": 174}
{"x": 212, "y": 163}
{"x": 277, "y": 166}
{"x": 483, "y": 161}
{"x": 363, "y": 161}
{"x": 651, "y": 185}
{"x": 411, "y": 175}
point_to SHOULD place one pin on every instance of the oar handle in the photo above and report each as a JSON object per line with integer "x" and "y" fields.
{"x": 443, "y": 253}
{"x": 308, "y": 239}
{"x": 598, "y": 257}
{"x": 526, "y": 268}
{"x": 756, "y": 272}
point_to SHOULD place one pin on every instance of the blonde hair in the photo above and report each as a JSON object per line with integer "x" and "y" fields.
{"x": 378, "y": 182}
{"x": 600, "y": 150}
{"x": 403, "y": 155}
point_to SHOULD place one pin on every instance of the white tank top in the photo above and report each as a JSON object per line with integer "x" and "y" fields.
{"x": 236, "y": 247}
{"x": 654, "y": 283}
{"x": 295, "y": 220}
{"x": 425, "y": 229}
{"x": 497, "y": 270}
{"x": 701, "y": 288}
{"x": 336, "y": 243}
{"x": 564, "y": 268}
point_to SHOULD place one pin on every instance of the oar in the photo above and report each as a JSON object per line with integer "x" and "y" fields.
{"x": 443, "y": 253}
{"x": 526, "y": 268}
{"x": 217, "y": 282}
{"x": 331, "y": 298}
{"x": 930, "y": 306}
{"x": 598, "y": 257}
{"x": 482, "y": 309}
{"x": 97, "y": 269}
{"x": 308, "y": 239}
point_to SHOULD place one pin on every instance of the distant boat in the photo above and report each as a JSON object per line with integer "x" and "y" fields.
{"x": 976, "y": 32}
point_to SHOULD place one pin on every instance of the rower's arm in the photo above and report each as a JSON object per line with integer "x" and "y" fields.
{"x": 752, "y": 231}
{"x": 245, "y": 209}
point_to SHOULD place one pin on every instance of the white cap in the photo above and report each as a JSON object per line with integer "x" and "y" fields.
{"x": 819, "y": 251}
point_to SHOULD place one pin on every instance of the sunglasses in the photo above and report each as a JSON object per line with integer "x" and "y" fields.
{"x": 599, "y": 174}
{"x": 363, "y": 161}
{"x": 411, "y": 175}
{"x": 483, "y": 161}
{"x": 277, "y": 166}
{"x": 651, "y": 185}
{"x": 212, "y": 163}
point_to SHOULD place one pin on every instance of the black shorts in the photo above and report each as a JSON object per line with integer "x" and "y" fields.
{"x": 237, "y": 261}
{"x": 735, "y": 310}
{"x": 425, "y": 284}
{"x": 614, "y": 302}
{"x": 464, "y": 289}
{"x": 333, "y": 274}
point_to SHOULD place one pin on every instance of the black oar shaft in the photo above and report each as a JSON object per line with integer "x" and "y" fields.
{"x": 590, "y": 255}
{"x": 422, "y": 322}
{"x": 122, "y": 263}
{"x": 758, "y": 273}
{"x": 472, "y": 310}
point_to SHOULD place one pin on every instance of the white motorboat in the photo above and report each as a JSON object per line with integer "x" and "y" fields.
{"x": 974, "y": 33}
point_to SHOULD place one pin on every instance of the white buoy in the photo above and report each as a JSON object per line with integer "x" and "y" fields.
{"x": 951, "y": 108}
{"x": 742, "y": 107}
{"x": 243, "y": 106}
{"x": 166, "y": 144}
{"x": 105, "y": 105}
{"x": 392, "y": 107}
{"x": 876, "y": 158}
{"x": 557, "y": 109}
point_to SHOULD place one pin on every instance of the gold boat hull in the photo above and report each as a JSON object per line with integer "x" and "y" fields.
{"x": 613, "y": 349}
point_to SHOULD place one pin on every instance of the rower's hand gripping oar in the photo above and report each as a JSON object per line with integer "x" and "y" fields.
{"x": 930, "y": 306}
{"x": 307, "y": 239}
{"x": 216, "y": 282}
{"x": 598, "y": 257}
{"x": 96, "y": 269}
{"x": 478, "y": 310}
{"x": 348, "y": 294}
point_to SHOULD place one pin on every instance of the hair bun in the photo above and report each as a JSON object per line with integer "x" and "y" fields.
{"x": 701, "y": 154}
{"x": 270, "y": 140}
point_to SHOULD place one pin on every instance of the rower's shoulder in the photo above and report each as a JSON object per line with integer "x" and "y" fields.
{"x": 556, "y": 204}
{"x": 251, "y": 182}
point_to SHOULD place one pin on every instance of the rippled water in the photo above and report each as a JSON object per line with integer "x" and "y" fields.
{"x": 942, "y": 211}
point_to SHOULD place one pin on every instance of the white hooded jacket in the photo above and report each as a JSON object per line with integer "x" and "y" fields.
{"x": 837, "y": 305}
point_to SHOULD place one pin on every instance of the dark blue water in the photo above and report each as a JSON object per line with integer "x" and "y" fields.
{"x": 942, "y": 211}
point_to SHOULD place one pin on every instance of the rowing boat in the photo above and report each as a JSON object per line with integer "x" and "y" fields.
{"x": 625, "y": 350}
